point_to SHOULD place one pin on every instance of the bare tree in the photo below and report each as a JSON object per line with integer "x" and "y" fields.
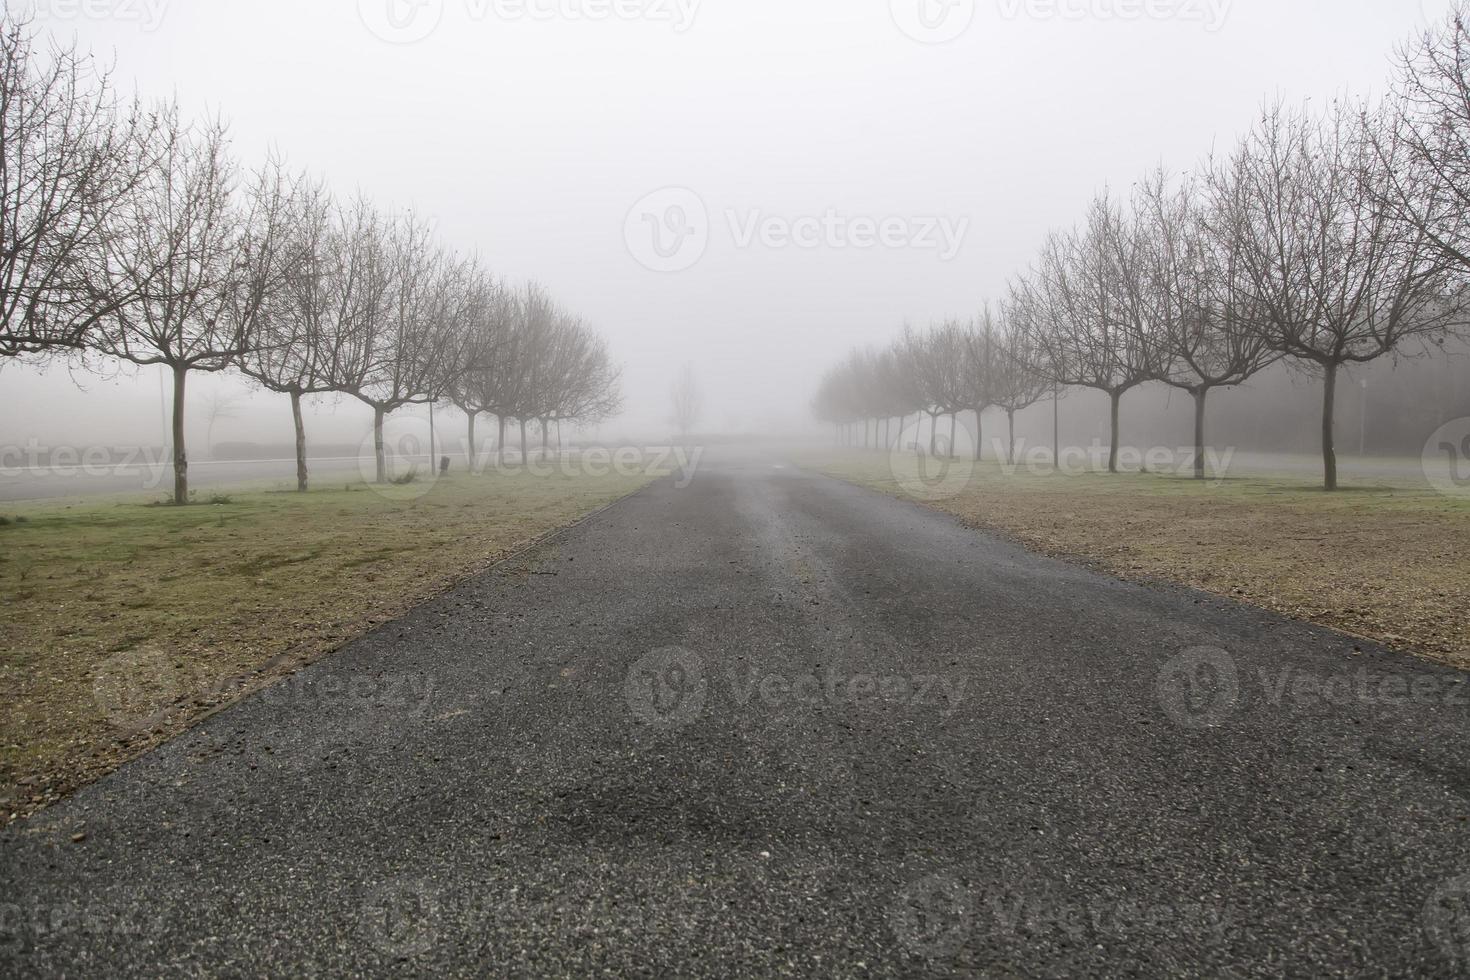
{"x": 1084, "y": 309}
{"x": 195, "y": 268}
{"x": 316, "y": 324}
{"x": 1422, "y": 138}
{"x": 1204, "y": 305}
{"x": 687, "y": 401}
{"x": 977, "y": 378}
{"x": 936, "y": 360}
{"x": 1017, "y": 371}
{"x": 68, "y": 159}
{"x": 397, "y": 358}
{"x": 474, "y": 387}
{"x": 1340, "y": 277}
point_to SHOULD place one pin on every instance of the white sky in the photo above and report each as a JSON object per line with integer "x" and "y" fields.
{"x": 531, "y": 139}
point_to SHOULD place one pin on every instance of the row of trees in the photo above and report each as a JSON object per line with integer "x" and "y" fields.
{"x": 1326, "y": 238}
{"x": 955, "y": 367}
{"x": 130, "y": 233}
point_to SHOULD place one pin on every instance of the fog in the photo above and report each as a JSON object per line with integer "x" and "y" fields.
{"x": 530, "y": 134}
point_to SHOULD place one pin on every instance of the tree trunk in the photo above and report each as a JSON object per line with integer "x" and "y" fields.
{"x": 523, "y": 440}
{"x": 301, "y": 478}
{"x": 500, "y": 441}
{"x": 433, "y": 454}
{"x": 1011, "y": 451}
{"x": 545, "y": 444}
{"x": 1116, "y": 397}
{"x": 181, "y": 458}
{"x": 1056, "y": 424}
{"x": 933, "y": 434}
{"x": 1329, "y": 452}
{"x": 979, "y": 436}
{"x": 471, "y": 452}
{"x": 954, "y": 423}
{"x": 378, "y": 456}
{"x": 1199, "y": 431}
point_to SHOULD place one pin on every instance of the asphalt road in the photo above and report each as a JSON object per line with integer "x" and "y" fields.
{"x": 774, "y": 724}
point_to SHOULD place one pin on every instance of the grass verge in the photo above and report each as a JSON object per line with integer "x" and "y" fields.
{"x": 127, "y": 622}
{"x": 1383, "y": 561}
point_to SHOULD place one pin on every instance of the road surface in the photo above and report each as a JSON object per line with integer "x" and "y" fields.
{"x": 775, "y": 724}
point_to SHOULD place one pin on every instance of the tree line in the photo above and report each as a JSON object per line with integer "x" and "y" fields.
{"x": 1324, "y": 238}
{"x": 128, "y": 232}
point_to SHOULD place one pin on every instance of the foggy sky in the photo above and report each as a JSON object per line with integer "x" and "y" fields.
{"x": 530, "y": 138}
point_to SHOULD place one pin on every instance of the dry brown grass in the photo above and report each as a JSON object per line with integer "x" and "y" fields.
{"x": 126, "y": 623}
